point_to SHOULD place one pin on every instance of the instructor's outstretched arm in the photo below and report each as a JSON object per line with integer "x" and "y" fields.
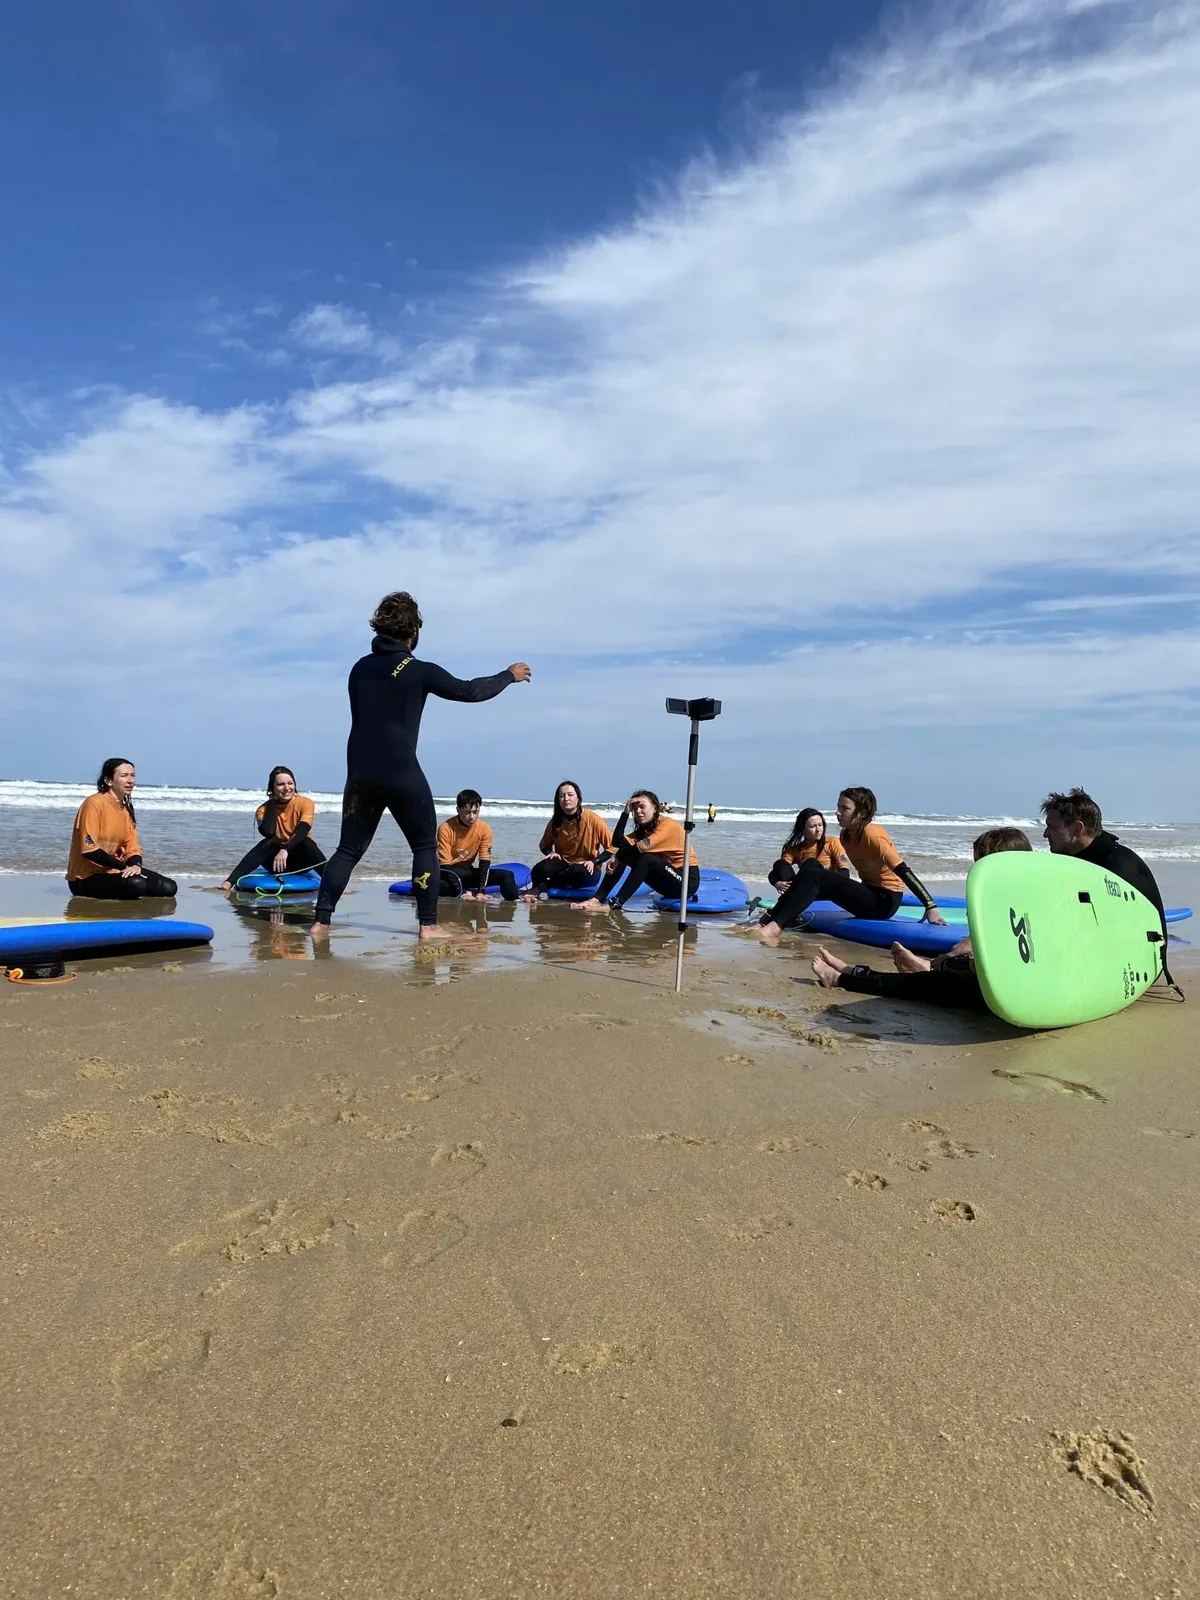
{"x": 447, "y": 687}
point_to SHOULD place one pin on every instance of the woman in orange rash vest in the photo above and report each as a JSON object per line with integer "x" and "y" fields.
{"x": 106, "y": 855}
{"x": 654, "y": 853}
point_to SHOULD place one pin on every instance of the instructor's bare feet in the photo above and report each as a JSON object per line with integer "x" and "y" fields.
{"x": 434, "y": 934}
{"x": 319, "y": 933}
{"x": 906, "y": 961}
{"x": 226, "y": 886}
{"x": 827, "y": 969}
{"x": 770, "y": 933}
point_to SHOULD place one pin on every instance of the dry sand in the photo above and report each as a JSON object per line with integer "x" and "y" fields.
{"x": 318, "y": 1283}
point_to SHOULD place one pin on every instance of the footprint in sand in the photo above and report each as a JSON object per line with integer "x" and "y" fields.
{"x": 950, "y": 1149}
{"x": 951, "y": 1211}
{"x": 787, "y": 1145}
{"x": 669, "y": 1137}
{"x": 232, "y": 1575}
{"x": 860, "y": 1178}
{"x": 919, "y": 1125}
{"x": 583, "y": 1358}
{"x": 426, "y": 1086}
{"x": 171, "y": 1354}
{"x": 1170, "y": 1133}
{"x": 762, "y": 1227}
{"x": 1110, "y": 1461}
{"x": 467, "y": 1157}
{"x": 75, "y": 1127}
{"x": 1063, "y": 1085}
{"x": 909, "y": 1163}
{"x": 423, "y": 1236}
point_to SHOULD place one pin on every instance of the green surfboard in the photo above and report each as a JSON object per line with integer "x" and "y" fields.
{"x": 1058, "y": 940}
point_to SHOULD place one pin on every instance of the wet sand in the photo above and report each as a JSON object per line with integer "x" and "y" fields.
{"x": 320, "y": 1283}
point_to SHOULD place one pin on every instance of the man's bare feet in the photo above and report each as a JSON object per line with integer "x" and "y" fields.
{"x": 830, "y": 960}
{"x": 319, "y": 933}
{"x": 226, "y": 886}
{"x": 770, "y": 933}
{"x": 906, "y": 961}
{"x": 434, "y": 934}
{"x": 825, "y": 972}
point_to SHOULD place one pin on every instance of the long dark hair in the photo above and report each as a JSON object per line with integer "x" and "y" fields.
{"x": 104, "y": 781}
{"x": 274, "y": 773}
{"x": 865, "y": 806}
{"x": 559, "y": 816}
{"x": 796, "y": 837}
{"x": 645, "y": 829}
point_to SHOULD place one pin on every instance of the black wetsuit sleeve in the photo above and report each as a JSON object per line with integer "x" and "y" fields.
{"x": 447, "y": 687}
{"x": 303, "y": 829}
{"x": 618, "y": 833}
{"x": 267, "y": 826}
{"x": 103, "y": 859}
{"x": 907, "y": 876}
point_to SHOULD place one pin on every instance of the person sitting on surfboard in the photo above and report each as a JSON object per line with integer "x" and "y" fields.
{"x": 883, "y": 872}
{"x": 106, "y": 856}
{"x": 285, "y": 821}
{"x": 947, "y": 980}
{"x": 808, "y": 841}
{"x": 464, "y": 847}
{"x": 654, "y": 853}
{"x": 1074, "y": 827}
{"x": 574, "y": 846}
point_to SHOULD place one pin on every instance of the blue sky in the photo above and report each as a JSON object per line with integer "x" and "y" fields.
{"x": 839, "y": 362}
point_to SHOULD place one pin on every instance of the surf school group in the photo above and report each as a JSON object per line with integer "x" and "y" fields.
{"x": 582, "y": 862}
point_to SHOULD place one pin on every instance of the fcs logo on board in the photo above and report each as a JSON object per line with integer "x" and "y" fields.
{"x": 1020, "y": 928}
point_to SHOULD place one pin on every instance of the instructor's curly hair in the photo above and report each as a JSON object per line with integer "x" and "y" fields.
{"x": 397, "y": 617}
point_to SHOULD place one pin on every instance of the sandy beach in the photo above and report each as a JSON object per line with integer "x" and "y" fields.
{"x": 320, "y": 1283}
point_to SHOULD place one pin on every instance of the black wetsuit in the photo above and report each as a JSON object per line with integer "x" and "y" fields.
{"x": 388, "y": 691}
{"x": 301, "y": 849}
{"x": 1107, "y": 851}
{"x": 110, "y": 885}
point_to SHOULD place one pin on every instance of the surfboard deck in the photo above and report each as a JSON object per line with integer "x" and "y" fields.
{"x": 303, "y": 881}
{"x": 720, "y": 892}
{"x": 84, "y": 938}
{"x": 1058, "y": 941}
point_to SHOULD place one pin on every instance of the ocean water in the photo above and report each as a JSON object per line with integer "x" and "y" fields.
{"x": 200, "y": 833}
{"x": 196, "y": 835}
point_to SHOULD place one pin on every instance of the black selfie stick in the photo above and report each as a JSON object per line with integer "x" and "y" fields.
{"x": 699, "y": 711}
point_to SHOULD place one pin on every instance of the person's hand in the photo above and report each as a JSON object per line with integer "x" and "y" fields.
{"x": 520, "y": 671}
{"x": 589, "y": 867}
{"x": 934, "y": 916}
{"x": 131, "y": 872}
{"x": 280, "y": 861}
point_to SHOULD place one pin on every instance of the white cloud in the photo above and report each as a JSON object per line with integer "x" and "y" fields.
{"x": 937, "y": 328}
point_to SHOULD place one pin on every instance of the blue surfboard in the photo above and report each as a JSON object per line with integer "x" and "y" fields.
{"x": 518, "y": 869}
{"x": 83, "y": 938}
{"x": 720, "y": 892}
{"x": 302, "y": 881}
{"x": 906, "y": 927}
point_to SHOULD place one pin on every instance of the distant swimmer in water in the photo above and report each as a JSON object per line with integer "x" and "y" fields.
{"x": 106, "y": 856}
{"x": 808, "y": 841}
{"x": 464, "y": 849}
{"x": 285, "y": 821}
{"x": 574, "y": 846}
{"x": 388, "y": 690}
{"x": 712, "y": 812}
{"x": 947, "y": 980}
{"x": 879, "y": 865}
{"x": 654, "y": 853}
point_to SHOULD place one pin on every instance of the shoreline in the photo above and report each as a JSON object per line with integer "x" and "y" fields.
{"x": 325, "y": 1285}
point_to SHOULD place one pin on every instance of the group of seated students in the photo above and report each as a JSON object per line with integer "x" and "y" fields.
{"x": 646, "y": 847}
{"x": 578, "y": 852}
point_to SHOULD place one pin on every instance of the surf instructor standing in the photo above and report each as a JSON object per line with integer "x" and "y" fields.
{"x": 388, "y": 690}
